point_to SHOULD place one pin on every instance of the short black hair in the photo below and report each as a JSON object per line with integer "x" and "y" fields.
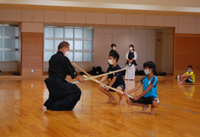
{"x": 150, "y": 65}
{"x": 112, "y": 45}
{"x": 115, "y": 55}
{"x": 63, "y": 44}
{"x": 189, "y": 66}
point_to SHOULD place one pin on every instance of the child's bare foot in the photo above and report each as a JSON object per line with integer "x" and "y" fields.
{"x": 110, "y": 99}
{"x": 120, "y": 102}
{"x": 144, "y": 108}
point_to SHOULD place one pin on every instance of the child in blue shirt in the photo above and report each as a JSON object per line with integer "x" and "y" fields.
{"x": 116, "y": 78}
{"x": 149, "y": 94}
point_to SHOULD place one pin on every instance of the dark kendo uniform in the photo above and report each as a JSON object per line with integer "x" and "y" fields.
{"x": 112, "y": 51}
{"x": 62, "y": 94}
{"x": 130, "y": 57}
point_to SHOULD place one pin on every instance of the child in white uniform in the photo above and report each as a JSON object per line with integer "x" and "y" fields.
{"x": 131, "y": 57}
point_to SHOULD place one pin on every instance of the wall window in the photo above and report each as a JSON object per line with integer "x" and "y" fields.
{"x": 8, "y": 42}
{"x": 79, "y": 38}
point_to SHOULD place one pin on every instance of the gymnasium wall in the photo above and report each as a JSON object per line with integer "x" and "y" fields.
{"x": 187, "y": 52}
{"x": 142, "y": 39}
{"x": 183, "y": 24}
{"x": 32, "y": 49}
{"x": 9, "y": 66}
{"x": 189, "y": 25}
{"x": 167, "y": 49}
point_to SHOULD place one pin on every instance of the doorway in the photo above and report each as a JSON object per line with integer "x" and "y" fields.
{"x": 159, "y": 36}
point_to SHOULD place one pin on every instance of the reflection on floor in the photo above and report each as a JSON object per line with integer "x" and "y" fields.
{"x": 22, "y": 112}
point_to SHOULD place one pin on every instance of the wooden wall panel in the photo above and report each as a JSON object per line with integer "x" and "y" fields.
{"x": 32, "y": 54}
{"x": 187, "y": 52}
{"x": 96, "y": 18}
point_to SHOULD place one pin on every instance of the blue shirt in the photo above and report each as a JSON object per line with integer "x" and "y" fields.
{"x": 119, "y": 80}
{"x": 146, "y": 82}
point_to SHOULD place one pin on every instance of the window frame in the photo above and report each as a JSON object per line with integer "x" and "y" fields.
{"x": 72, "y": 48}
{"x": 14, "y": 38}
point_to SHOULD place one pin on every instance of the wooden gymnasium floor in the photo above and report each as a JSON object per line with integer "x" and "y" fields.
{"x": 22, "y": 113}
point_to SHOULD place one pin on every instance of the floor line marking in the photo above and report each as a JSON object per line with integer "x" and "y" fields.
{"x": 179, "y": 109}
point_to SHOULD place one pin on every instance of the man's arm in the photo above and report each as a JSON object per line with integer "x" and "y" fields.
{"x": 69, "y": 68}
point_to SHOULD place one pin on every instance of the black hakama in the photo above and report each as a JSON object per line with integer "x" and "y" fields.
{"x": 62, "y": 94}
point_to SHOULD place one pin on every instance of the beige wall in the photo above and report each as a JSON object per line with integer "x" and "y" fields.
{"x": 9, "y": 66}
{"x": 143, "y": 39}
{"x": 32, "y": 27}
{"x": 167, "y": 49}
{"x": 183, "y": 24}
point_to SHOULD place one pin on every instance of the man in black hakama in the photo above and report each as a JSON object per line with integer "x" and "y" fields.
{"x": 62, "y": 94}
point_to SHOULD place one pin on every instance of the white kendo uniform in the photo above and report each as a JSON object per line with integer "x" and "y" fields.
{"x": 130, "y": 71}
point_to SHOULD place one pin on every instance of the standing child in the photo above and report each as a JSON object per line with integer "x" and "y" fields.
{"x": 113, "y": 49}
{"x": 149, "y": 94}
{"x": 116, "y": 79}
{"x": 131, "y": 57}
{"x": 188, "y": 77}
